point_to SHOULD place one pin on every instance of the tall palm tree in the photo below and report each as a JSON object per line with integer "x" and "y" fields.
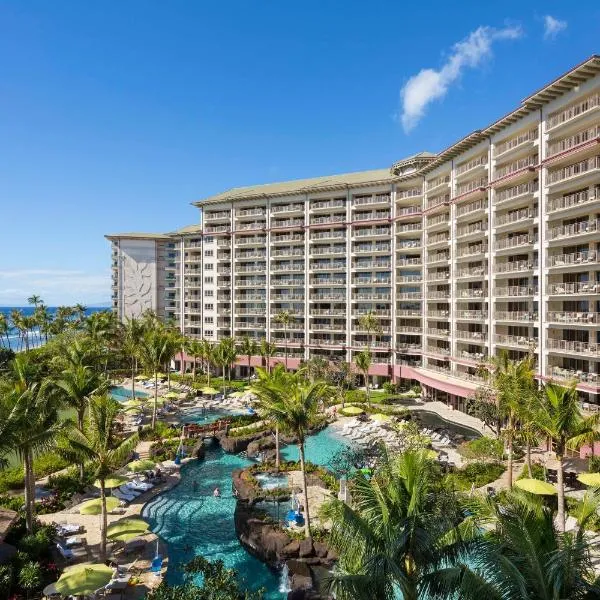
{"x": 396, "y": 540}
{"x": 225, "y": 355}
{"x": 370, "y": 323}
{"x": 249, "y": 348}
{"x": 207, "y": 355}
{"x": 34, "y": 300}
{"x": 267, "y": 351}
{"x": 363, "y": 363}
{"x": 292, "y": 403}
{"x": 100, "y": 447}
{"x": 173, "y": 348}
{"x": 34, "y": 415}
{"x": 153, "y": 351}
{"x": 133, "y": 333}
{"x": 18, "y": 322}
{"x": 43, "y": 320}
{"x": 285, "y": 318}
{"x": 79, "y": 310}
{"x": 195, "y": 349}
{"x": 5, "y": 329}
{"x": 559, "y": 418}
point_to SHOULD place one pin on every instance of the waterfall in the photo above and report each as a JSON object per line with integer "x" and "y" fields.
{"x": 284, "y": 580}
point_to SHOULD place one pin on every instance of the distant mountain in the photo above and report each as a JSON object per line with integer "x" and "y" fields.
{"x": 100, "y": 304}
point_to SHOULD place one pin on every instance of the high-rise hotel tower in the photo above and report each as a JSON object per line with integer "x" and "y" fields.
{"x": 492, "y": 244}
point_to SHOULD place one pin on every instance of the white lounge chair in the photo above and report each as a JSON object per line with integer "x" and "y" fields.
{"x": 117, "y": 493}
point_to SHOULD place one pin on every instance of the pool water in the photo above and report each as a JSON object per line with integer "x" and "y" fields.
{"x": 120, "y": 393}
{"x": 271, "y": 482}
{"x": 191, "y": 521}
{"x": 206, "y": 416}
{"x": 319, "y": 449}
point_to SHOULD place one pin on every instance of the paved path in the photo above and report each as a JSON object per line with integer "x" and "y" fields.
{"x": 449, "y": 414}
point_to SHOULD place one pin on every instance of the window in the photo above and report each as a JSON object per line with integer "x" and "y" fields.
{"x": 209, "y": 253}
{"x": 209, "y": 320}
{"x": 209, "y": 267}
{"x": 208, "y": 332}
{"x": 209, "y": 239}
{"x": 208, "y": 279}
{"x": 209, "y": 293}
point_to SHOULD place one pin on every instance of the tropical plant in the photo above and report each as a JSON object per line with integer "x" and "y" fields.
{"x": 225, "y": 355}
{"x": 316, "y": 368}
{"x": 558, "y": 416}
{"x": 370, "y": 323}
{"x": 30, "y": 577}
{"x": 100, "y": 448}
{"x": 267, "y": 351}
{"x": 249, "y": 348}
{"x": 285, "y": 318}
{"x": 403, "y": 536}
{"x": 363, "y": 360}
{"x": 194, "y": 349}
{"x": 291, "y": 402}
{"x": 5, "y": 329}
{"x": 174, "y": 346}
{"x": 133, "y": 333}
{"x": 207, "y": 355}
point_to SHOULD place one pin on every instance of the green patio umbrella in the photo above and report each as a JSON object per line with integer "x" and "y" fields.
{"x": 591, "y": 479}
{"x": 352, "y": 410}
{"x": 114, "y": 481}
{"x": 536, "y": 486}
{"x": 83, "y": 580}
{"x": 172, "y": 395}
{"x": 137, "y": 466}
{"x": 380, "y": 417}
{"x": 94, "y": 507}
{"x": 209, "y": 391}
{"x": 237, "y": 394}
{"x": 126, "y": 529}
{"x": 141, "y": 377}
{"x": 160, "y": 375}
{"x": 133, "y": 403}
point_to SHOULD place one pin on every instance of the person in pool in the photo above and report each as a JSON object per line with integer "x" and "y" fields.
{"x": 195, "y": 486}
{"x": 217, "y": 493}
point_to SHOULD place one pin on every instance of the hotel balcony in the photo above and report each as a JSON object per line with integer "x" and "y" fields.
{"x": 260, "y": 268}
{"x": 573, "y": 201}
{"x": 516, "y": 193}
{"x": 471, "y": 209}
{"x": 327, "y": 250}
{"x": 371, "y": 231}
{"x": 438, "y": 257}
{"x": 408, "y": 211}
{"x": 580, "y": 288}
{"x": 362, "y": 248}
{"x": 332, "y": 340}
{"x": 516, "y": 291}
{"x": 438, "y": 182}
{"x": 438, "y": 295}
{"x": 368, "y": 342}
{"x": 226, "y": 270}
{"x": 573, "y": 259}
{"x": 255, "y": 240}
{"x": 574, "y": 230}
{"x": 362, "y": 296}
{"x": 408, "y": 228}
{"x": 328, "y": 312}
{"x": 415, "y": 279}
{"x": 516, "y": 316}
{"x": 282, "y": 223}
{"x": 328, "y": 235}
{"x": 581, "y": 376}
{"x": 516, "y": 341}
{"x": 278, "y": 296}
{"x": 573, "y": 347}
{"x": 327, "y": 327}
{"x": 471, "y": 355}
{"x": 251, "y": 212}
{"x": 378, "y": 215}
{"x": 514, "y": 217}
{"x": 438, "y": 239}
{"x": 247, "y": 282}
{"x": 286, "y": 282}
{"x": 408, "y": 261}
{"x": 287, "y": 208}
{"x": 371, "y": 264}
{"x": 415, "y": 295}
{"x": 476, "y": 249}
{"x": 217, "y": 228}
{"x": 288, "y": 252}
{"x": 437, "y": 222}
{"x": 471, "y": 315}
{"x": 254, "y": 225}
{"x": 293, "y": 326}
{"x": 580, "y": 318}
{"x": 475, "y": 272}
{"x": 478, "y": 229}
{"x": 327, "y": 296}
{"x": 575, "y": 111}
{"x": 369, "y": 281}
{"x": 443, "y": 275}
{"x": 513, "y": 167}
{"x": 437, "y": 350}
{"x": 251, "y": 255}
{"x": 475, "y": 185}
{"x": 242, "y": 311}
{"x": 400, "y": 312}
{"x": 256, "y": 324}
{"x": 328, "y": 266}
{"x": 437, "y": 332}
{"x": 286, "y": 238}
{"x": 471, "y": 166}
{"x": 374, "y": 199}
{"x": 221, "y": 243}
{"x": 578, "y": 170}
{"x": 411, "y": 246}
{"x": 408, "y": 329}
{"x": 330, "y": 219}
{"x": 379, "y": 312}
{"x": 327, "y": 204}
{"x": 438, "y": 201}
{"x": 469, "y": 293}
{"x": 520, "y": 240}
{"x": 286, "y": 266}
{"x": 221, "y": 215}
{"x": 580, "y": 137}
{"x": 327, "y": 281}
{"x": 520, "y": 141}
{"x": 472, "y": 336}
{"x": 409, "y": 194}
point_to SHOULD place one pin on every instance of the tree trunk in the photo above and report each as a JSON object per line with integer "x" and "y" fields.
{"x": 103, "y": 522}
{"x": 27, "y": 492}
{"x": 155, "y": 400}
{"x": 367, "y": 386}
{"x": 286, "y": 349}
{"x": 528, "y": 457}
{"x": 561, "y": 494}
{"x": 194, "y": 369}
{"x": 249, "y": 359}
{"x": 510, "y": 452}
{"x": 80, "y": 415}
{"x": 277, "y": 457}
{"x": 133, "y": 378}
{"x": 304, "y": 489}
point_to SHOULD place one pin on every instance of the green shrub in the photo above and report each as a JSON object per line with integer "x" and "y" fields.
{"x": 11, "y": 479}
{"x": 537, "y": 472}
{"x": 48, "y": 463}
{"x": 248, "y": 430}
{"x": 12, "y": 502}
{"x": 31, "y": 577}
{"x": 594, "y": 464}
{"x": 478, "y": 473}
{"x": 483, "y": 448}
{"x": 6, "y": 580}
{"x": 160, "y": 431}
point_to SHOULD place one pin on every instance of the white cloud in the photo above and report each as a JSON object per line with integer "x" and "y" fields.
{"x": 55, "y": 286}
{"x": 553, "y": 26}
{"x": 429, "y": 85}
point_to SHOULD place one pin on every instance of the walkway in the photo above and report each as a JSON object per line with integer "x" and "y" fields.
{"x": 449, "y": 414}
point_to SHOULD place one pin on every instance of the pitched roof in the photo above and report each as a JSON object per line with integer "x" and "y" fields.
{"x": 137, "y": 235}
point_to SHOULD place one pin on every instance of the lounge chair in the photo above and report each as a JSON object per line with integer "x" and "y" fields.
{"x": 117, "y": 493}
{"x": 70, "y": 553}
{"x": 126, "y": 489}
{"x": 142, "y": 486}
{"x": 66, "y": 529}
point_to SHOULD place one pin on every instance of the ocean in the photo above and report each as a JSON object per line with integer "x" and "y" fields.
{"x": 14, "y": 340}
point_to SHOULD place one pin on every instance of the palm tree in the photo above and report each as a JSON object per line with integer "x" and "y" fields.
{"x": 249, "y": 348}
{"x": 5, "y": 329}
{"x": 18, "y": 322}
{"x": 153, "y": 351}
{"x": 34, "y": 300}
{"x": 291, "y": 403}
{"x": 133, "y": 333}
{"x": 363, "y": 363}
{"x": 559, "y": 418}
{"x": 285, "y": 318}
{"x": 43, "y": 320}
{"x": 267, "y": 351}
{"x": 395, "y": 540}
{"x": 370, "y": 323}
{"x": 173, "y": 348}
{"x": 34, "y": 416}
{"x": 316, "y": 368}
{"x": 225, "y": 355}
{"x": 207, "y": 355}
{"x": 100, "y": 447}
{"x": 195, "y": 349}
{"x": 80, "y": 310}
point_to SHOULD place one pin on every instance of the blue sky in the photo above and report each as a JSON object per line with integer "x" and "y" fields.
{"x": 114, "y": 116}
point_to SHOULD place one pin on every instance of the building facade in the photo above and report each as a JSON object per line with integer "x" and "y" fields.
{"x": 492, "y": 244}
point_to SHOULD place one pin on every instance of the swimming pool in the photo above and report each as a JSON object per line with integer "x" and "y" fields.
{"x": 205, "y": 416}
{"x": 121, "y": 393}
{"x": 319, "y": 448}
{"x": 192, "y": 522}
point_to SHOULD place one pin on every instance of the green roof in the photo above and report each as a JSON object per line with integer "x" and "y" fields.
{"x": 298, "y": 186}
{"x": 196, "y": 228}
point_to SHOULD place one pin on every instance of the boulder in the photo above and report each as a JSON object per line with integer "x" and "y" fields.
{"x": 291, "y": 550}
{"x": 257, "y": 446}
{"x": 320, "y": 549}
{"x": 300, "y": 576}
{"x": 306, "y": 548}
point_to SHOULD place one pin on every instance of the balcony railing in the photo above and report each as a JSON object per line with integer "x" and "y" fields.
{"x": 290, "y": 267}
{"x": 472, "y": 293}
{"x": 375, "y": 199}
{"x": 329, "y": 281}
{"x": 247, "y": 269}
{"x": 408, "y": 244}
{"x": 438, "y": 201}
{"x": 287, "y": 237}
{"x": 408, "y": 227}
{"x": 328, "y": 250}
{"x": 408, "y": 279}
{"x": 408, "y": 210}
{"x": 466, "y": 335}
{"x": 516, "y": 241}
{"x": 438, "y": 181}
{"x": 438, "y": 257}
{"x": 288, "y": 252}
{"x": 573, "y": 346}
{"x": 328, "y": 311}
{"x": 583, "y": 287}
{"x": 404, "y": 262}
{"x": 472, "y": 164}
{"x": 471, "y": 186}
{"x": 573, "y": 140}
{"x": 332, "y": 266}
{"x": 515, "y": 340}
{"x": 580, "y": 318}
{"x": 401, "y": 312}
{"x": 286, "y": 297}
{"x": 251, "y": 212}
{"x": 573, "y": 229}
{"x": 516, "y": 165}
{"x": 438, "y": 350}
{"x": 328, "y": 296}
{"x": 480, "y": 227}
{"x": 579, "y": 168}
{"x": 372, "y": 231}
{"x": 280, "y": 208}
{"x": 287, "y": 281}
{"x": 251, "y": 254}
{"x": 213, "y": 216}
{"x": 473, "y": 250}
{"x": 515, "y": 265}
{"x": 515, "y": 216}
{"x": 250, "y": 241}
{"x": 438, "y": 238}
{"x": 371, "y": 281}
{"x": 574, "y": 199}
{"x": 412, "y": 193}
{"x": 465, "y": 209}
{"x": 328, "y": 219}
{"x": 471, "y": 272}
{"x": 328, "y": 327}
{"x": 432, "y": 221}
{"x": 320, "y": 235}
{"x": 439, "y": 276}
{"x": 411, "y": 329}
{"x": 217, "y": 228}
{"x": 578, "y": 108}
{"x": 370, "y": 248}
{"x": 517, "y": 290}
{"x": 515, "y": 141}
{"x": 249, "y": 226}
{"x": 320, "y": 204}
{"x": 516, "y": 191}
{"x": 371, "y": 296}
{"x": 437, "y": 331}
{"x": 516, "y": 315}
{"x": 557, "y": 372}
{"x": 575, "y": 258}
{"x": 471, "y": 315}
{"x": 408, "y": 295}
{"x": 438, "y": 294}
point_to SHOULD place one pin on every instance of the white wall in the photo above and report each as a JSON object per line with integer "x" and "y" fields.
{"x": 138, "y": 267}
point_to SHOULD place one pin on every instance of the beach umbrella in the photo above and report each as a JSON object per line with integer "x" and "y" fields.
{"x": 380, "y": 417}
{"x": 536, "y": 486}
{"x": 237, "y": 394}
{"x": 137, "y": 466}
{"x": 209, "y": 391}
{"x": 133, "y": 403}
{"x": 141, "y": 377}
{"x": 160, "y": 375}
{"x": 591, "y": 479}
{"x": 172, "y": 395}
{"x": 83, "y": 580}
{"x": 126, "y": 529}
{"x": 94, "y": 507}
{"x": 352, "y": 410}
{"x": 114, "y": 481}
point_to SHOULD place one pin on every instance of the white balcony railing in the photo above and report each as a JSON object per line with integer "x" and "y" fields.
{"x": 580, "y": 137}
{"x": 570, "y": 317}
{"x": 570, "y": 171}
{"x": 516, "y": 165}
{"x": 516, "y": 191}
{"x": 574, "y": 229}
{"x": 515, "y": 141}
{"x": 574, "y": 258}
{"x": 574, "y": 110}
{"x": 583, "y": 287}
{"x": 516, "y": 315}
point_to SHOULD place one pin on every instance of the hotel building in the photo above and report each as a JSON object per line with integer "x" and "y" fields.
{"x": 492, "y": 244}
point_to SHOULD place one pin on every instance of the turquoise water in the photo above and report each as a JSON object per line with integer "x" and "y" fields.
{"x": 120, "y": 393}
{"x": 319, "y": 448}
{"x": 207, "y": 415}
{"x": 192, "y": 522}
